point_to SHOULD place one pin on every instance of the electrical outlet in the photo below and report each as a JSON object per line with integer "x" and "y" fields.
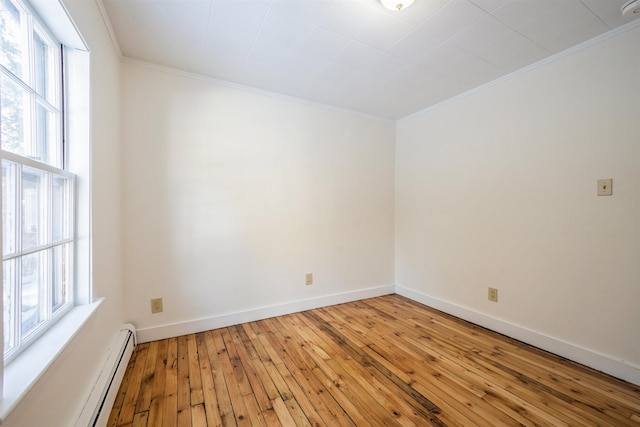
{"x": 605, "y": 187}
{"x": 309, "y": 279}
{"x": 156, "y": 305}
{"x": 493, "y": 294}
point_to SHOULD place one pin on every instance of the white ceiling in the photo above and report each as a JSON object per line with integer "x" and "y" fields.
{"x": 354, "y": 54}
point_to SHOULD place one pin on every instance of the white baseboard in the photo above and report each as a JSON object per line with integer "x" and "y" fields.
{"x": 214, "y": 322}
{"x": 587, "y": 357}
{"x": 595, "y": 360}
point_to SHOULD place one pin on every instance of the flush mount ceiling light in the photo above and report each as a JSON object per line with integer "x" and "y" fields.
{"x": 631, "y": 7}
{"x": 402, "y": 4}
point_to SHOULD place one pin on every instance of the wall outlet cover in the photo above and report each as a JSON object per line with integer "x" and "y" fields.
{"x": 605, "y": 187}
{"x": 156, "y": 305}
{"x": 493, "y": 294}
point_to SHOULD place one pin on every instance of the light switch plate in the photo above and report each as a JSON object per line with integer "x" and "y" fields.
{"x": 605, "y": 187}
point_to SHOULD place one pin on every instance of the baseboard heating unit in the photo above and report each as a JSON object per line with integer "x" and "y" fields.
{"x": 96, "y": 411}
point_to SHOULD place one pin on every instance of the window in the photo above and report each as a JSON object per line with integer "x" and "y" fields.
{"x": 37, "y": 191}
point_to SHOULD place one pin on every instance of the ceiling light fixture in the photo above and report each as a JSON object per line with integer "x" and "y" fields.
{"x": 631, "y": 7}
{"x": 402, "y": 4}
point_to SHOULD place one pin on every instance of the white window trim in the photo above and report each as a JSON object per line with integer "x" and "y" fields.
{"x": 28, "y": 367}
{"x": 22, "y": 373}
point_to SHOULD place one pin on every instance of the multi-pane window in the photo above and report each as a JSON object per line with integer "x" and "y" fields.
{"x": 37, "y": 193}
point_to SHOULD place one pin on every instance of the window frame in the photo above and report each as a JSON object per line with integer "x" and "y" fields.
{"x": 55, "y": 103}
{"x": 18, "y": 377}
{"x": 52, "y": 315}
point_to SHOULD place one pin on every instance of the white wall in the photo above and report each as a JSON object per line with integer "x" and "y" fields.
{"x": 499, "y": 189}
{"x": 232, "y": 196}
{"x": 57, "y": 398}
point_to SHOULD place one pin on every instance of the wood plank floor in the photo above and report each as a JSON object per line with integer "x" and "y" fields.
{"x": 378, "y": 362}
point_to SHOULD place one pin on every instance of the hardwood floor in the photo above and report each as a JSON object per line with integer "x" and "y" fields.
{"x": 378, "y": 362}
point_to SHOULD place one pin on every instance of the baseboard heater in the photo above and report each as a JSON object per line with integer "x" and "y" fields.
{"x": 98, "y": 407}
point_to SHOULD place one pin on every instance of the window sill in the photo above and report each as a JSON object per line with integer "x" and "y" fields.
{"x": 23, "y": 372}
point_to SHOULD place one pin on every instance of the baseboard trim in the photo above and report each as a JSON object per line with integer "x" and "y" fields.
{"x": 204, "y": 324}
{"x": 590, "y": 358}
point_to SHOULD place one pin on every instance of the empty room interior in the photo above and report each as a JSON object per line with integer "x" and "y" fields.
{"x": 327, "y": 189}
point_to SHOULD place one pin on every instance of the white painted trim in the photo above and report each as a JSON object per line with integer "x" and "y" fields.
{"x": 204, "y": 324}
{"x": 543, "y": 62}
{"x": 56, "y": 17}
{"x": 250, "y": 89}
{"x": 25, "y": 370}
{"x": 593, "y": 359}
{"x": 109, "y": 27}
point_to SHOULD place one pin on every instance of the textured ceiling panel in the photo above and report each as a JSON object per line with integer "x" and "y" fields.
{"x": 354, "y": 54}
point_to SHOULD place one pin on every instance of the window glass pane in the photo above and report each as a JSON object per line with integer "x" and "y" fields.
{"x": 9, "y": 304}
{"x": 34, "y": 226}
{"x": 47, "y": 137}
{"x": 15, "y": 133}
{"x": 12, "y": 39}
{"x": 33, "y": 283}
{"x": 46, "y": 75}
{"x": 41, "y": 62}
{"x": 60, "y": 206}
{"x": 9, "y": 208}
{"x": 60, "y": 267}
